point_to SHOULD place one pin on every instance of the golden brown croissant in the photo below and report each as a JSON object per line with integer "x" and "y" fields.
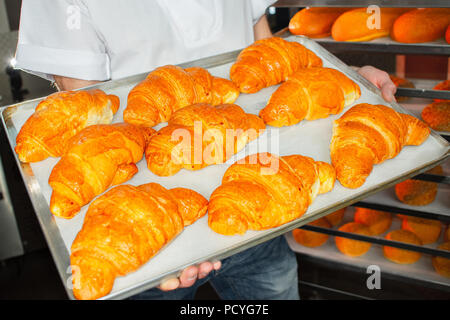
{"x": 58, "y": 118}
{"x": 200, "y": 135}
{"x": 268, "y": 62}
{"x": 370, "y": 134}
{"x": 98, "y": 157}
{"x": 265, "y": 191}
{"x": 123, "y": 229}
{"x": 310, "y": 93}
{"x": 169, "y": 88}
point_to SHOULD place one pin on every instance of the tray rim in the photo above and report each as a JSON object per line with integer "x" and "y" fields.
{"x": 47, "y": 221}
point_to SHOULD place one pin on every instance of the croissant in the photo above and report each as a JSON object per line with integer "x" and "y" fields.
{"x": 58, "y": 118}
{"x": 265, "y": 191}
{"x": 268, "y": 62}
{"x": 367, "y": 135}
{"x": 123, "y": 229}
{"x": 169, "y": 88}
{"x": 98, "y": 157}
{"x": 200, "y": 135}
{"x": 310, "y": 93}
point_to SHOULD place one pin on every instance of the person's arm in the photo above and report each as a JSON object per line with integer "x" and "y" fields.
{"x": 261, "y": 29}
{"x": 66, "y": 84}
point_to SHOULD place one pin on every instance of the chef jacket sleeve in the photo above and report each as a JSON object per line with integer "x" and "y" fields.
{"x": 59, "y": 38}
{"x": 259, "y": 8}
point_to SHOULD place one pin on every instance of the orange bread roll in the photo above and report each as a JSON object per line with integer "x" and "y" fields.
{"x": 441, "y": 264}
{"x": 402, "y": 256}
{"x": 427, "y": 230}
{"x": 377, "y": 221}
{"x": 437, "y": 115}
{"x": 350, "y": 247}
{"x": 401, "y": 83}
{"x": 315, "y": 22}
{"x": 310, "y": 238}
{"x": 335, "y": 218}
{"x": 417, "y": 192}
{"x": 421, "y": 25}
{"x": 447, "y": 234}
{"x": 443, "y": 85}
{"x": 447, "y": 34}
{"x": 359, "y": 25}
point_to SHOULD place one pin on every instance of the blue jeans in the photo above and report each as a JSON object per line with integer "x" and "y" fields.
{"x": 267, "y": 271}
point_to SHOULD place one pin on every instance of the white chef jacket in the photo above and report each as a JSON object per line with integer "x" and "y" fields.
{"x": 111, "y": 39}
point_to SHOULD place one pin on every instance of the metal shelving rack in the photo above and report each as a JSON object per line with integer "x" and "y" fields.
{"x": 387, "y": 45}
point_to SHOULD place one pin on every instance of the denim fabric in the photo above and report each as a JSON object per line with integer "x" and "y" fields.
{"x": 267, "y": 271}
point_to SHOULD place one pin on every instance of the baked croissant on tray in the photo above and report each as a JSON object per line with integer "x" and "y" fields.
{"x": 310, "y": 93}
{"x": 265, "y": 191}
{"x": 98, "y": 157}
{"x": 268, "y": 62}
{"x": 123, "y": 229}
{"x": 169, "y": 88}
{"x": 367, "y": 135}
{"x": 201, "y": 135}
{"x": 58, "y": 118}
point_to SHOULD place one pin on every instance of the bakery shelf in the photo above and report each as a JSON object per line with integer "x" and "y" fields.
{"x": 363, "y": 3}
{"x": 386, "y": 45}
{"x": 386, "y": 200}
{"x": 421, "y": 270}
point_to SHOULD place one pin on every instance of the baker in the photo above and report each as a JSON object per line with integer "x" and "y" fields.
{"x": 77, "y": 43}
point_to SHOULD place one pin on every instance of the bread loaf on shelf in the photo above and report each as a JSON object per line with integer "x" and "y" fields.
{"x": 310, "y": 238}
{"x": 169, "y": 88}
{"x": 310, "y": 93}
{"x": 427, "y": 230}
{"x": 441, "y": 264}
{"x": 361, "y": 25}
{"x": 58, "y": 118}
{"x": 336, "y": 217}
{"x": 201, "y": 135}
{"x": 401, "y": 83}
{"x": 98, "y": 157}
{"x": 398, "y": 255}
{"x": 265, "y": 191}
{"x": 125, "y": 228}
{"x": 416, "y": 192}
{"x": 315, "y": 22}
{"x": 377, "y": 221}
{"x": 421, "y": 25}
{"x": 268, "y": 62}
{"x": 350, "y": 247}
{"x": 368, "y": 134}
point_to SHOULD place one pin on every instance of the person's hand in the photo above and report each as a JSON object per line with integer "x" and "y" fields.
{"x": 190, "y": 275}
{"x": 381, "y": 80}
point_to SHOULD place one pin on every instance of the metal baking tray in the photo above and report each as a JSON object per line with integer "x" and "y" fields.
{"x": 198, "y": 243}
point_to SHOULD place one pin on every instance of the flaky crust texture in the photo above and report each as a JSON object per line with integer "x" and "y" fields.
{"x": 265, "y": 191}
{"x": 310, "y": 93}
{"x": 98, "y": 157}
{"x": 201, "y": 135}
{"x": 169, "y": 88}
{"x": 58, "y": 118}
{"x": 367, "y": 135}
{"x": 123, "y": 229}
{"x": 268, "y": 62}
